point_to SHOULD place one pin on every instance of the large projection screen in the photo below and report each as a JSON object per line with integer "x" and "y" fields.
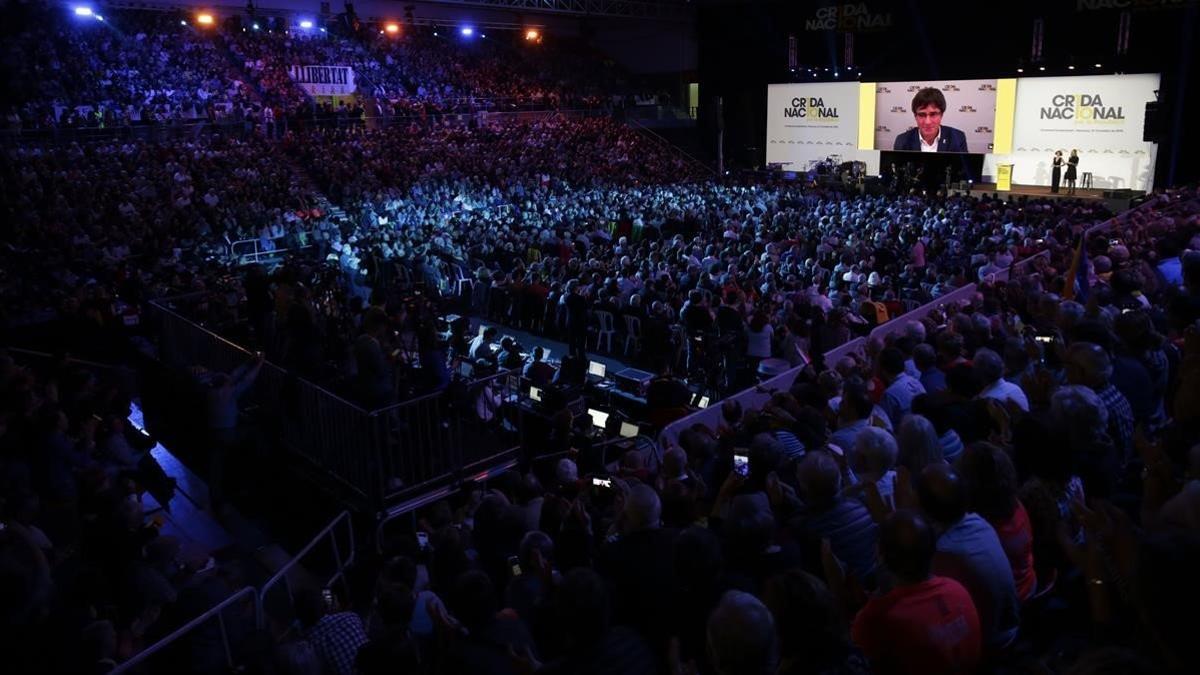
{"x": 1101, "y": 116}
{"x": 810, "y": 122}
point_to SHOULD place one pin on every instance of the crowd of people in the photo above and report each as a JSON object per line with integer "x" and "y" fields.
{"x": 134, "y": 68}
{"x": 523, "y": 216}
{"x": 88, "y": 226}
{"x": 141, "y": 67}
{"x": 1009, "y": 484}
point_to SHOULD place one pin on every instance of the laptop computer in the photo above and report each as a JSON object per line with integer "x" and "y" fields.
{"x": 596, "y": 371}
{"x": 628, "y": 430}
{"x": 702, "y": 402}
{"x": 599, "y": 419}
{"x": 535, "y": 394}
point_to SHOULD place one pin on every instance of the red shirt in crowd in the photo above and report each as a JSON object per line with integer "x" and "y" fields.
{"x": 1016, "y": 538}
{"x": 930, "y": 627}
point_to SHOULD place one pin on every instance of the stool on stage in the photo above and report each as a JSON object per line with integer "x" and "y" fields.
{"x": 768, "y": 368}
{"x": 1086, "y": 181}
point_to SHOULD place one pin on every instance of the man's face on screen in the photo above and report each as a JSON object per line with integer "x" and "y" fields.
{"x": 929, "y": 121}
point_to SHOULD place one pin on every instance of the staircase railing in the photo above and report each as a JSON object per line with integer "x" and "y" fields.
{"x": 217, "y": 613}
{"x": 658, "y": 138}
{"x": 341, "y": 561}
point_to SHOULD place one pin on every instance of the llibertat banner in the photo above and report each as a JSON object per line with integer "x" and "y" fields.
{"x": 1101, "y": 116}
{"x": 324, "y": 80}
{"x": 812, "y": 122}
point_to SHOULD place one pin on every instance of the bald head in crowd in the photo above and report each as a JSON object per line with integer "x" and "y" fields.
{"x": 906, "y": 544}
{"x": 943, "y": 494}
{"x": 1088, "y": 364}
{"x": 741, "y": 636}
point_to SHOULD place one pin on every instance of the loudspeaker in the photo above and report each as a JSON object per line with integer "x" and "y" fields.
{"x": 1152, "y": 125}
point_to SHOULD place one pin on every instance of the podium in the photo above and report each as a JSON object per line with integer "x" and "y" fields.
{"x": 1004, "y": 174}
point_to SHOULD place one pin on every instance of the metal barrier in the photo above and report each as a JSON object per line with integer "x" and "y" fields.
{"x": 751, "y": 398}
{"x": 327, "y": 430}
{"x": 334, "y": 567}
{"x": 446, "y": 436}
{"x": 896, "y": 326}
{"x": 196, "y": 127}
{"x": 244, "y": 595}
{"x": 373, "y": 456}
{"x": 257, "y": 253}
{"x": 658, "y": 138}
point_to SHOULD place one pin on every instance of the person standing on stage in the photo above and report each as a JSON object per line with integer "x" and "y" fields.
{"x": 1056, "y": 171}
{"x": 1072, "y": 170}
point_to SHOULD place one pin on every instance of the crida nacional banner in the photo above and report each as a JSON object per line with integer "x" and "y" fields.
{"x": 1101, "y": 116}
{"x": 812, "y": 121}
{"x": 324, "y": 80}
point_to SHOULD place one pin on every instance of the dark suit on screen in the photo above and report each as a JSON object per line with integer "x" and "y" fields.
{"x": 951, "y": 140}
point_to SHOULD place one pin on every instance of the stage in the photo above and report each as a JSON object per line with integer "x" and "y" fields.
{"x": 1040, "y": 191}
{"x": 1116, "y": 203}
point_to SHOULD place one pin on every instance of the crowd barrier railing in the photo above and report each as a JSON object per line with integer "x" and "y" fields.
{"x": 246, "y": 595}
{"x": 756, "y": 396}
{"x": 193, "y": 128}
{"x": 446, "y": 436}
{"x": 327, "y": 430}
{"x": 658, "y": 138}
{"x": 326, "y": 567}
{"x": 256, "y": 253}
{"x": 375, "y": 456}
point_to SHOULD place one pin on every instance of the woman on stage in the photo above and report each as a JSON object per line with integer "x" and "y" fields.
{"x": 1056, "y": 172}
{"x": 1072, "y": 170}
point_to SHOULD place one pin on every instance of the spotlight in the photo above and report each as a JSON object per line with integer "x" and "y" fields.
{"x": 1042, "y": 68}
{"x": 182, "y": 23}
{"x": 306, "y": 24}
{"x": 254, "y": 26}
{"x": 483, "y": 35}
{"x": 435, "y": 33}
{"x": 1098, "y": 65}
{"x": 392, "y": 28}
{"x": 204, "y": 19}
{"x": 1070, "y": 67}
{"x": 83, "y": 11}
{"x": 99, "y": 17}
{"x": 323, "y": 30}
{"x": 531, "y": 35}
{"x": 467, "y": 31}
{"x": 1020, "y": 70}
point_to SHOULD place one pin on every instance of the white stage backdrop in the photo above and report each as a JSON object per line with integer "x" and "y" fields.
{"x": 970, "y": 108}
{"x": 809, "y": 122}
{"x": 1099, "y": 115}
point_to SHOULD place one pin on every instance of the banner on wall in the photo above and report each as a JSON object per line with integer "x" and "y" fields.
{"x": 1093, "y": 112}
{"x": 1101, "y": 116}
{"x": 811, "y": 122}
{"x": 970, "y": 109}
{"x": 324, "y": 80}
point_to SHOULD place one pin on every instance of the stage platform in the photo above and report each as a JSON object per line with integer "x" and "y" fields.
{"x": 1039, "y": 191}
{"x": 1117, "y": 204}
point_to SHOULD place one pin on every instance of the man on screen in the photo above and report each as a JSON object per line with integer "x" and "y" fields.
{"x": 929, "y": 135}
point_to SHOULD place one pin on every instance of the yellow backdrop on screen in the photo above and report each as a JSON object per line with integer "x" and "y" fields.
{"x": 866, "y": 116}
{"x": 1006, "y": 112}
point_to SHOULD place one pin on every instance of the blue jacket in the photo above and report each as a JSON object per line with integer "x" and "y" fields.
{"x": 952, "y": 140}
